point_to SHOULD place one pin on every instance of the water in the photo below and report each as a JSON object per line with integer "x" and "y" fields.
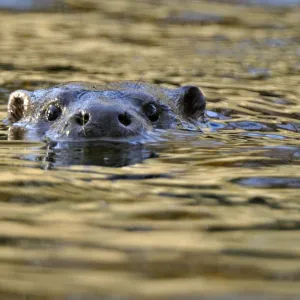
{"x": 27, "y": 4}
{"x": 212, "y": 215}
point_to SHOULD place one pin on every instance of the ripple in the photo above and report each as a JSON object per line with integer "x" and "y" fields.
{"x": 269, "y": 182}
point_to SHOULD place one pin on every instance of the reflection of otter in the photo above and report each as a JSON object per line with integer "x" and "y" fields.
{"x": 109, "y": 154}
{"x": 82, "y": 111}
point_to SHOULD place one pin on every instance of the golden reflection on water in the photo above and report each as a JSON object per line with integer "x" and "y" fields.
{"x": 212, "y": 215}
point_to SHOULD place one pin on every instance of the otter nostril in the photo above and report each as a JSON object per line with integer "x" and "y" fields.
{"x": 82, "y": 118}
{"x": 124, "y": 119}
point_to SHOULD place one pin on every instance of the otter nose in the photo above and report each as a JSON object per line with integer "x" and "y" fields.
{"x": 82, "y": 118}
{"x": 107, "y": 120}
{"x": 105, "y": 115}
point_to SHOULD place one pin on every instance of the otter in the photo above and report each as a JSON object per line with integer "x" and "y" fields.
{"x": 79, "y": 111}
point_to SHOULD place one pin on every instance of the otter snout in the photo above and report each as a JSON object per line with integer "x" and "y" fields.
{"x": 108, "y": 121}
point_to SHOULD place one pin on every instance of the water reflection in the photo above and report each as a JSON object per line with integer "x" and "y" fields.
{"x": 274, "y": 2}
{"x": 108, "y": 154}
{"x": 27, "y": 4}
{"x": 98, "y": 153}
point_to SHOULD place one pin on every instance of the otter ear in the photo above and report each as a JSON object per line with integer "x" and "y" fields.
{"x": 18, "y": 104}
{"x": 191, "y": 103}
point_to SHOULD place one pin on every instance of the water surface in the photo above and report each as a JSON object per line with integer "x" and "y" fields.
{"x": 211, "y": 215}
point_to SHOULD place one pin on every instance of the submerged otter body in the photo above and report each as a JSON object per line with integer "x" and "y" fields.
{"x": 83, "y": 111}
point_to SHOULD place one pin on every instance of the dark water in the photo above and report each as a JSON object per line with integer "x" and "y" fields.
{"x": 212, "y": 215}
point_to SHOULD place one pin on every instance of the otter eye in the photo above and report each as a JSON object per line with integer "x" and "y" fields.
{"x": 151, "y": 111}
{"x": 52, "y": 112}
